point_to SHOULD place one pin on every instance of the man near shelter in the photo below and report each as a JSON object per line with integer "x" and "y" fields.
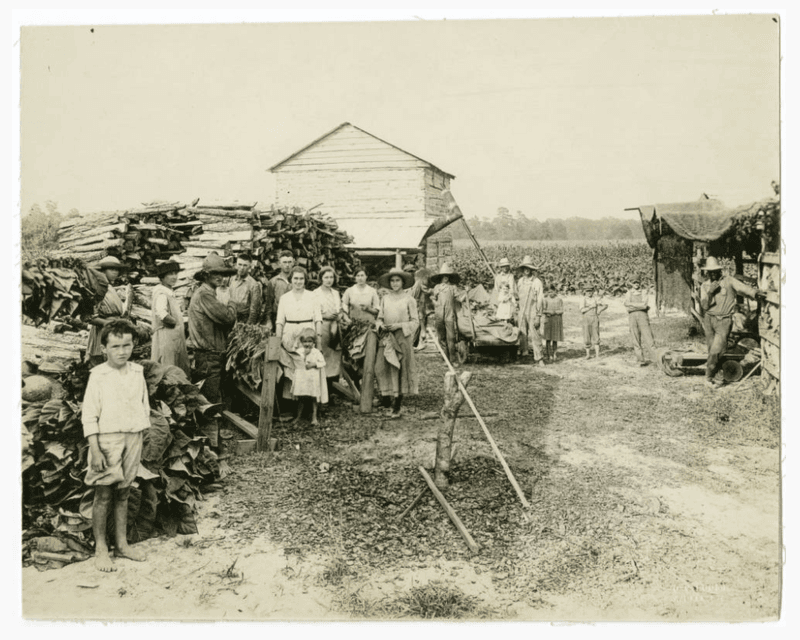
{"x": 718, "y": 302}
{"x": 245, "y": 292}
{"x": 636, "y": 303}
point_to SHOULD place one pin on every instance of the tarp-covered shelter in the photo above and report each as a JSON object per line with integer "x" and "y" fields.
{"x": 671, "y": 230}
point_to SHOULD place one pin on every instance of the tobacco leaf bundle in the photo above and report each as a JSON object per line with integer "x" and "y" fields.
{"x": 246, "y": 348}
{"x": 177, "y": 461}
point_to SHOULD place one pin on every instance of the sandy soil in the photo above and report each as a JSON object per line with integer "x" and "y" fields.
{"x": 640, "y": 510}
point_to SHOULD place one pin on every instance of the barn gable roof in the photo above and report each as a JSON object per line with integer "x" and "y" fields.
{"x": 347, "y": 124}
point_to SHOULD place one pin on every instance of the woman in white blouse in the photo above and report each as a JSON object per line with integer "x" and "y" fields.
{"x": 298, "y": 309}
{"x": 330, "y": 306}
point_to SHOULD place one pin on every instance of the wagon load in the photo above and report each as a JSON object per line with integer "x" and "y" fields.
{"x": 477, "y": 324}
{"x": 177, "y": 463}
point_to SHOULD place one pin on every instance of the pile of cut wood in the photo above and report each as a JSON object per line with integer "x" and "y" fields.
{"x": 139, "y": 238}
{"x": 315, "y": 240}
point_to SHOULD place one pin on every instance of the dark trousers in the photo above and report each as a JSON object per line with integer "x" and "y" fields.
{"x": 209, "y": 366}
{"x": 717, "y": 332}
{"x": 448, "y": 334}
{"x": 641, "y": 334}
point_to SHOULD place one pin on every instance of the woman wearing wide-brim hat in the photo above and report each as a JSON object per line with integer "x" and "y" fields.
{"x": 531, "y": 301}
{"x": 110, "y": 308}
{"x": 169, "y": 340}
{"x": 445, "y": 295}
{"x": 503, "y": 276}
{"x": 395, "y": 365}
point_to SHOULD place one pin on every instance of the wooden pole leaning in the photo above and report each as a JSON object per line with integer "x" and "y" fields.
{"x": 368, "y": 379}
{"x": 473, "y": 546}
{"x": 267, "y": 403}
{"x": 489, "y": 437}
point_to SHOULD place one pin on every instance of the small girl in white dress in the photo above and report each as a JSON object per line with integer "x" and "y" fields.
{"x": 309, "y": 381}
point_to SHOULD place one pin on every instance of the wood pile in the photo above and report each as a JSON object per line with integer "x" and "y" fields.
{"x": 315, "y": 240}
{"x": 140, "y": 238}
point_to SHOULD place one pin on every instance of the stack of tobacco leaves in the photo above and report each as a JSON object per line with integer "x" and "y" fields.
{"x": 246, "y": 349}
{"x": 60, "y": 289}
{"x": 140, "y": 238}
{"x": 177, "y": 463}
{"x": 315, "y": 240}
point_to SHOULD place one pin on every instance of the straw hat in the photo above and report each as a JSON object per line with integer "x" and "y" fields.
{"x": 110, "y": 262}
{"x": 446, "y": 270}
{"x": 527, "y": 263}
{"x": 504, "y": 263}
{"x": 167, "y": 267}
{"x": 712, "y": 264}
{"x": 407, "y": 278}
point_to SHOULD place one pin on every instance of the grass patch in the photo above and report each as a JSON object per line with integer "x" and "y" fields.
{"x": 433, "y": 601}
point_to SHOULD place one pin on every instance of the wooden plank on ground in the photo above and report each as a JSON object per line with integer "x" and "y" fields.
{"x": 241, "y": 423}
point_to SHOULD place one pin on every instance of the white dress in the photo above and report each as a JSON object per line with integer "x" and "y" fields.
{"x": 310, "y": 382}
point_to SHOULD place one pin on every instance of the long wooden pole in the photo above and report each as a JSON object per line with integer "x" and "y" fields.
{"x": 477, "y": 246}
{"x": 489, "y": 437}
{"x": 267, "y": 403}
{"x": 421, "y": 493}
{"x": 473, "y": 546}
{"x": 368, "y": 379}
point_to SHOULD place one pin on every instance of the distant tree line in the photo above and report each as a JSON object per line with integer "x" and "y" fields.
{"x": 39, "y": 229}
{"x": 508, "y": 226}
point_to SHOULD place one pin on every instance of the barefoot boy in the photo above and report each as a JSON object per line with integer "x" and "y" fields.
{"x": 116, "y": 411}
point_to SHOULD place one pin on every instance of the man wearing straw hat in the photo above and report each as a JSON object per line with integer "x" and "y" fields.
{"x": 209, "y": 323}
{"x": 718, "y": 302}
{"x": 110, "y": 308}
{"x": 444, "y": 296}
{"x": 531, "y": 301}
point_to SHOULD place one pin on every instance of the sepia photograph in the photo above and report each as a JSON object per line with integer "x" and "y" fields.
{"x": 420, "y": 319}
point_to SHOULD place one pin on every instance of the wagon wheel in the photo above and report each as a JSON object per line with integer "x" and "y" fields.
{"x": 732, "y": 371}
{"x": 666, "y": 364}
{"x": 462, "y": 351}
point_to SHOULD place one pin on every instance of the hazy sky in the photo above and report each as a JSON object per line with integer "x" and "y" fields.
{"x": 555, "y": 118}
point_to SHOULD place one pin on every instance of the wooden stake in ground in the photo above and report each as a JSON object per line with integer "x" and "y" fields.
{"x": 453, "y": 399}
{"x": 268, "y": 393}
{"x": 421, "y": 493}
{"x": 368, "y": 379}
{"x": 473, "y": 546}
{"x": 472, "y": 406}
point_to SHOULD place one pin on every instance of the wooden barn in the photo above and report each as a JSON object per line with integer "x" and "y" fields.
{"x": 382, "y": 195}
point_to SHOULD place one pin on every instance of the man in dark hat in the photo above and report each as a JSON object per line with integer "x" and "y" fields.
{"x": 169, "y": 340}
{"x": 718, "y": 302}
{"x": 209, "y": 323}
{"x": 445, "y": 296}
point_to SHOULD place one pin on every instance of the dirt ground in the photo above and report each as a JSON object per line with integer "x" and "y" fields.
{"x": 652, "y": 498}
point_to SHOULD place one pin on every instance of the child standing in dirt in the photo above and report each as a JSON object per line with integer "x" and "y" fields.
{"x": 553, "y": 310}
{"x": 309, "y": 382}
{"x": 505, "y": 304}
{"x": 591, "y": 308}
{"x": 115, "y": 413}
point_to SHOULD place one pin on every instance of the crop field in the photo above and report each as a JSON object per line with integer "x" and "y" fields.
{"x": 609, "y": 266}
